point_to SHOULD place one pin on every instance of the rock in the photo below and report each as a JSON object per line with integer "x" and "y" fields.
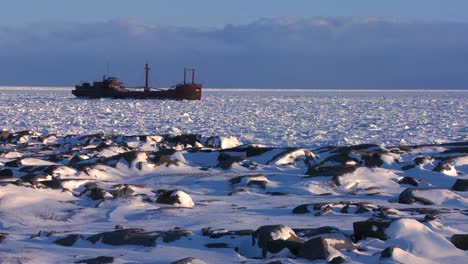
{"x": 460, "y": 185}
{"x": 174, "y": 234}
{"x": 337, "y": 260}
{"x": 217, "y": 233}
{"x": 373, "y": 160}
{"x": 225, "y": 161}
{"x": 3, "y": 236}
{"x": 318, "y": 248}
{"x": 189, "y": 260}
{"x": 122, "y": 191}
{"x": 94, "y": 192}
{"x": 388, "y": 252}
{"x": 301, "y": 209}
{"x": 131, "y": 236}
{"x": 258, "y": 180}
{"x": 460, "y": 241}
{"x": 275, "y": 238}
{"x": 311, "y": 232}
{"x": 6, "y": 173}
{"x": 34, "y": 179}
{"x": 159, "y": 159}
{"x": 14, "y": 163}
{"x": 408, "y": 197}
{"x": 68, "y": 241}
{"x": 174, "y": 197}
{"x": 409, "y": 180}
{"x": 217, "y": 245}
{"x": 326, "y": 170}
{"x": 444, "y": 165}
{"x": 428, "y": 196}
{"x": 373, "y": 227}
{"x": 97, "y": 260}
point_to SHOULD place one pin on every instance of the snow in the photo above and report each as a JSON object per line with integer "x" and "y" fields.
{"x": 270, "y": 117}
{"x": 420, "y": 240}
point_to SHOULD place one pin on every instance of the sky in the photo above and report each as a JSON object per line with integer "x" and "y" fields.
{"x": 339, "y": 44}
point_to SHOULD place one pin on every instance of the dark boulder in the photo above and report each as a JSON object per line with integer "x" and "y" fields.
{"x": 268, "y": 243}
{"x": 373, "y": 227}
{"x": 409, "y": 180}
{"x": 97, "y": 260}
{"x": 131, "y": 236}
{"x": 68, "y": 241}
{"x": 122, "y": 191}
{"x": 318, "y": 248}
{"x": 6, "y": 173}
{"x": 251, "y": 180}
{"x": 311, "y": 232}
{"x": 34, "y": 179}
{"x": 189, "y": 260}
{"x": 337, "y": 260}
{"x": 216, "y": 245}
{"x": 373, "y": 160}
{"x": 328, "y": 170}
{"x": 408, "y": 197}
{"x": 388, "y": 252}
{"x": 94, "y": 192}
{"x": 225, "y": 161}
{"x": 13, "y": 163}
{"x": 3, "y": 236}
{"x": 460, "y": 185}
{"x": 301, "y": 209}
{"x": 174, "y": 197}
{"x": 174, "y": 234}
{"x": 217, "y": 233}
{"x": 445, "y": 164}
{"x": 460, "y": 241}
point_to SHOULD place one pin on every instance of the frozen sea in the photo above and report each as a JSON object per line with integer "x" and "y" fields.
{"x": 276, "y": 117}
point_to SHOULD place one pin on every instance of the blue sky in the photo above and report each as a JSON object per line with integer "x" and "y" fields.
{"x": 347, "y": 44}
{"x": 220, "y": 12}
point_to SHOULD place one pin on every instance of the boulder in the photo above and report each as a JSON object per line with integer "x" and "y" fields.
{"x": 189, "y": 260}
{"x": 3, "y": 236}
{"x": 409, "y": 180}
{"x": 272, "y": 239}
{"x": 174, "y": 197}
{"x": 94, "y": 192}
{"x": 122, "y": 191}
{"x": 131, "y": 236}
{"x": 373, "y": 227}
{"x": 372, "y": 160}
{"x": 258, "y": 180}
{"x": 217, "y": 233}
{"x": 388, "y": 252}
{"x": 460, "y": 185}
{"x": 6, "y": 173}
{"x": 319, "y": 247}
{"x": 68, "y": 241}
{"x": 225, "y": 161}
{"x": 428, "y": 196}
{"x": 460, "y": 241}
{"x": 311, "y": 232}
{"x": 97, "y": 260}
{"x": 328, "y": 170}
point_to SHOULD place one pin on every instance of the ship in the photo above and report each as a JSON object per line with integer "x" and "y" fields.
{"x": 111, "y": 87}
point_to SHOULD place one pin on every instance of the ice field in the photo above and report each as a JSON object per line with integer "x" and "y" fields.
{"x": 299, "y": 118}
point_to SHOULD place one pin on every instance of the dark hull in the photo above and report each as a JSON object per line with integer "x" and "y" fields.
{"x": 181, "y": 92}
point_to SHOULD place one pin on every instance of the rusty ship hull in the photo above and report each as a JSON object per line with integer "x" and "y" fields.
{"x": 181, "y": 92}
{"x": 110, "y": 87}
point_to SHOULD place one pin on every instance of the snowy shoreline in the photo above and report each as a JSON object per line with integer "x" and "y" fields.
{"x": 196, "y": 199}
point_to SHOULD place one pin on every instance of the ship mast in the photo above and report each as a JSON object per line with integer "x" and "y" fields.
{"x": 147, "y": 69}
